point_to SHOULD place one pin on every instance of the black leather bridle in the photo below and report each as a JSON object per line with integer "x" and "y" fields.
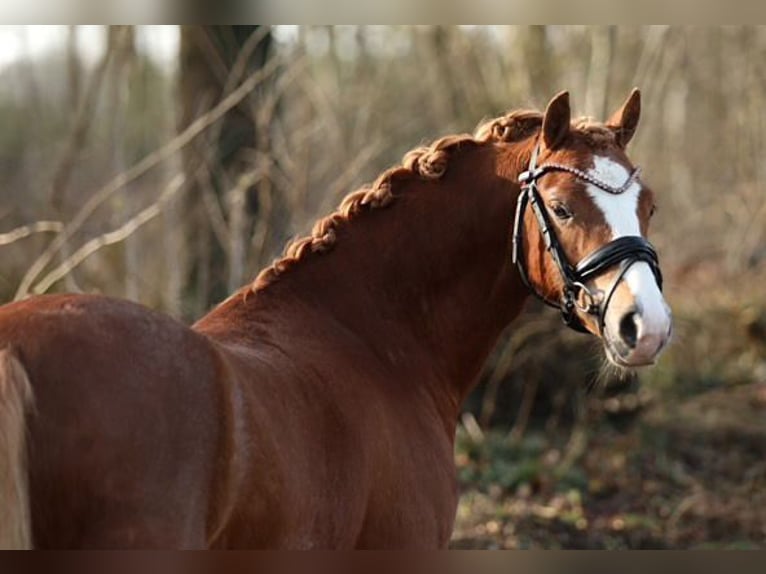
{"x": 623, "y": 251}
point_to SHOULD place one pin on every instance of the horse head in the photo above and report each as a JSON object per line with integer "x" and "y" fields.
{"x": 580, "y": 232}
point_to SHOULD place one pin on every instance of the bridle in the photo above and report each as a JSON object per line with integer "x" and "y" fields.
{"x": 623, "y": 251}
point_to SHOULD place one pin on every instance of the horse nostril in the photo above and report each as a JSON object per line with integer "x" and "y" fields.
{"x": 629, "y": 329}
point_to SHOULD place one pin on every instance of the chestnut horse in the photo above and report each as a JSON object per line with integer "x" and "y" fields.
{"x": 316, "y": 408}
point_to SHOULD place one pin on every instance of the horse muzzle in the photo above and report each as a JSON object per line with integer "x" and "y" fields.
{"x": 639, "y": 324}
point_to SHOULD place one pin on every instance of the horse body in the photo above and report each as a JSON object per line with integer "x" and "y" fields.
{"x": 314, "y": 409}
{"x": 290, "y": 417}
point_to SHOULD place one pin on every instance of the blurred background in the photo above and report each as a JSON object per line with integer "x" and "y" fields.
{"x": 169, "y": 164}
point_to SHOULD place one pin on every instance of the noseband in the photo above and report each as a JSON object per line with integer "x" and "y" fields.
{"x": 623, "y": 251}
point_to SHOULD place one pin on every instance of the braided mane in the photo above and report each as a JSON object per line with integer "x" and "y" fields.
{"x": 426, "y": 162}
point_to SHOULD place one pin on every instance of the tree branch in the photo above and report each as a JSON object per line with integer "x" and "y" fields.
{"x": 148, "y": 162}
{"x": 110, "y": 238}
{"x": 26, "y": 230}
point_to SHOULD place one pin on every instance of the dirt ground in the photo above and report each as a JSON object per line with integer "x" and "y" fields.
{"x": 691, "y": 476}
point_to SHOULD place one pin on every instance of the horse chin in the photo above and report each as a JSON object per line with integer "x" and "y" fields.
{"x": 614, "y": 357}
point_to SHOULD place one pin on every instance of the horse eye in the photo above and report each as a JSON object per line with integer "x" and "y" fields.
{"x": 652, "y": 211}
{"x": 561, "y": 211}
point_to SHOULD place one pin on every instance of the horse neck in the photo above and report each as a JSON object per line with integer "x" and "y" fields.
{"x": 427, "y": 281}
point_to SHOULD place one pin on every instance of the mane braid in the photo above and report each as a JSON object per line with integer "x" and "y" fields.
{"x": 427, "y": 162}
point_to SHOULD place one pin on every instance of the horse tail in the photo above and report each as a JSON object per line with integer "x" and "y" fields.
{"x": 15, "y": 400}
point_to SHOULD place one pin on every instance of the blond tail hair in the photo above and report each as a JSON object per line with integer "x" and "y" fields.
{"x": 15, "y": 400}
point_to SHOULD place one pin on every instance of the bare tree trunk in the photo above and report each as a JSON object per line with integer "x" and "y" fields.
{"x": 600, "y": 70}
{"x": 73, "y": 67}
{"x": 539, "y": 60}
{"x": 122, "y": 43}
{"x": 77, "y": 140}
{"x": 215, "y": 164}
{"x": 446, "y": 97}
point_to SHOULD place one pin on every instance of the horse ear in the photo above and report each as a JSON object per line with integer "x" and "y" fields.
{"x": 625, "y": 120}
{"x": 556, "y": 120}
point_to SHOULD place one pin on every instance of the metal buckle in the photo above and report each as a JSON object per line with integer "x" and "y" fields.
{"x": 591, "y": 307}
{"x": 567, "y": 308}
{"x": 569, "y": 300}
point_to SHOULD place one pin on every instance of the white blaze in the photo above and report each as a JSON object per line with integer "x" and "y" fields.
{"x": 621, "y": 214}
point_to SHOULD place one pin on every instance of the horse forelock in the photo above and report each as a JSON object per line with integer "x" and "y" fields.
{"x": 428, "y": 163}
{"x": 598, "y": 135}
